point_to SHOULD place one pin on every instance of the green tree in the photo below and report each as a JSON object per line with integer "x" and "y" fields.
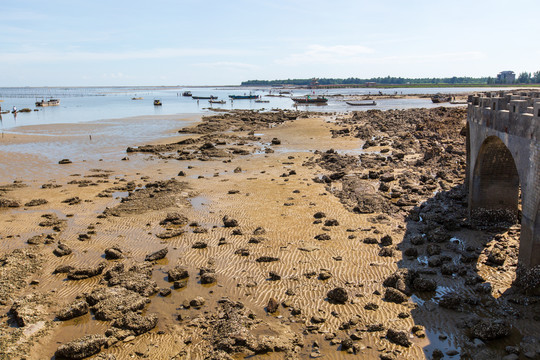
{"x": 524, "y": 78}
{"x": 536, "y": 78}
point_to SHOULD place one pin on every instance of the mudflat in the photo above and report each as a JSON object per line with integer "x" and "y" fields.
{"x": 264, "y": 235}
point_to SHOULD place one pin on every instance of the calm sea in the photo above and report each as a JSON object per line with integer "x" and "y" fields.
{"x": 78, "y": 105}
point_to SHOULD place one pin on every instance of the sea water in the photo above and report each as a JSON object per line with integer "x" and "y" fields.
{"x": 79, "y": 105}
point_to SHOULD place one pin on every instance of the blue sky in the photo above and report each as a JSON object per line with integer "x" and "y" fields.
{"x": 182, "y": 42}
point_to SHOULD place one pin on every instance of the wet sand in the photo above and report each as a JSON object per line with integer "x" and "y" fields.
{"x": 273, "y": 254}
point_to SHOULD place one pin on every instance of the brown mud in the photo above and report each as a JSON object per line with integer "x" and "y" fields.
{"x": 265, "y": 235}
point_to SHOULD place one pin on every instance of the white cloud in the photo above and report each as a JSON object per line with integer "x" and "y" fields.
{"x": 355, "y": 54}
{"x": 319, "y": 54}
{"x": 56, "y": 56}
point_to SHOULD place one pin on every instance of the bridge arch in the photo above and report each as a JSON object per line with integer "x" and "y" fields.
{"x": 503, "y": 163}
{"x": 495, "y": 179}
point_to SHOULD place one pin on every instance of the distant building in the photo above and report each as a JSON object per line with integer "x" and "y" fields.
{"x": 506, "y": 77}
{"x": 371, "y": 84}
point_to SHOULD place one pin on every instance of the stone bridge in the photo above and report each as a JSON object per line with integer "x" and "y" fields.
{"x": 503, "y": 163}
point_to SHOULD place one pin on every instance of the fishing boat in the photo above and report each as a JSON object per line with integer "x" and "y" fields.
{"x": 157, "y": 103}
{"x": 216, "y": 101}
{"x": 186, "y": 93}
{"x": 308, "y": 99}
{"x": 211, "y": 97}
{"x": 361, "y": 103}
{"x": 243, "y": 97}
{"x": 440, "y": 98}
{"x": 51, "y": 102}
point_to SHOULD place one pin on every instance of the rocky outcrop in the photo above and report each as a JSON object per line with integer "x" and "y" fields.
{"x": 114, "y": 253}
{"x": 136, "y": 324}
{"x": 137, "y": 278}
{"x": 86, "y": 272}
{"x": 158, "y": 255}
{"x": 30, "y": 309}
{"x": 75, "y": 309}
{"x": 114, "y": 302}
{"x": 15, "y": 267}
{"x": 177, "y": 273}
{"x": 398, "y": 337}
{"x": 490, "y": 329}
{"x": 62, "y": 250}
{"x": 81, "y": 348}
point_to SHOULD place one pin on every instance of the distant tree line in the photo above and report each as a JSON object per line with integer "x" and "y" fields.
{"x": 523, "y": 78}
{"x": 528, "y": 78}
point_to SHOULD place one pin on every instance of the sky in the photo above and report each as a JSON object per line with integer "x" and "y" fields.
{"x": 216, "y": 42}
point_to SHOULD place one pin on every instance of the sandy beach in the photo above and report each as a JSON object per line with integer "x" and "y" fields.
{"x": 260, "y": 235}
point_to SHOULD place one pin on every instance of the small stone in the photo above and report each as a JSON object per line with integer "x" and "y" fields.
{"x": 272, "y": 305}
{"x": 317, "y": 319}
{"x": 197, "y": 302}
{"x": 395, "y": 296}
{"x": 266, "y": 259}
{"x": 165, "y": 292}
{"x": 199, "y": 245}
{"x": 331, "y": 222}
{"x": 160, "y": 254}
{"x": 322, "y": 237}
{"x": 346, "y": 344}
{"x": 274, "y": 276}
{"x": 208, "y": 278}
{"x": 113, "y": 253}
{"x": 386, "y": 240}
{"x": 229, "y": 222}
{"x": 398, "y": 337}
{"x": 338, "y": 295}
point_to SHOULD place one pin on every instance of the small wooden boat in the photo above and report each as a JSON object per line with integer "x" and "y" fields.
{"x": 361, "y": 103}
{"x": 157, "y": 103}
{"x": 211, "y": 97}
{"x": 243, "y": 97}
{"x": 186, "y": 93}
{"x": 216, "y": 101}
{"x": 308, "y": 99}
{"x": 137, "y": 98}
{"x": 51, "y": 102}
